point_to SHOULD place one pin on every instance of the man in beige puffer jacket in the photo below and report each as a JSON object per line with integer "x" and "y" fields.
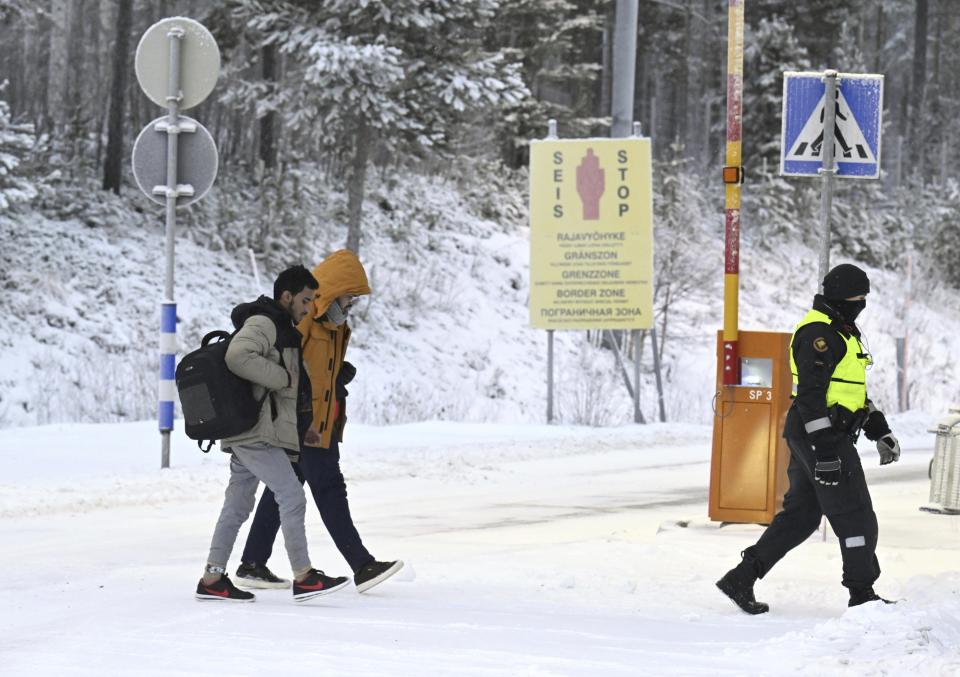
{"x": 266, "y": 351}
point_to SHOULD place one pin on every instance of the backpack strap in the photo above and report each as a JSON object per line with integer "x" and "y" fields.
{"x": 210, "y": 444}
{"x": 218, "y": 334}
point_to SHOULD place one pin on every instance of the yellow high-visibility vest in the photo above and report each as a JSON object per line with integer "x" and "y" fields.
{"x": 848, "y": 383}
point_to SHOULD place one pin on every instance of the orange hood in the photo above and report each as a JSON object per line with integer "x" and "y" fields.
{"x": 339, "y": 274}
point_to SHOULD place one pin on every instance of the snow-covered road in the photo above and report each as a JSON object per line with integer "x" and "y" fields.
{"x": 532, "y": 551}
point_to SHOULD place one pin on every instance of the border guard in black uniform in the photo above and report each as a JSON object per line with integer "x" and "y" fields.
{"x": 830, "y": 408}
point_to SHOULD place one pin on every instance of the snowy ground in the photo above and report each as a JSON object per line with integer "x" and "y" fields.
{"x": 533, "y": 551}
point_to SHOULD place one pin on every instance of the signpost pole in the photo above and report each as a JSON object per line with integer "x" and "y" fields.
{"x": 174, "y": 173}
{"x": 620, "y": 365}
{"x": 551, "y": 134}
{"x": 549, "y": 375}
{"x": 637, "y": 415}
{"x": 168, "y": 310}
{"x": 827, "y": 171}
{"x": 656, "y": 370}
{"x": 624, "y": 76}
{"x": 903, "y": 344}
{"x": 624, "y": 67}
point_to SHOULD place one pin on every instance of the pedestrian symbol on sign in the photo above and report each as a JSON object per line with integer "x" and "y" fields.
{"x": 850, "y": 143}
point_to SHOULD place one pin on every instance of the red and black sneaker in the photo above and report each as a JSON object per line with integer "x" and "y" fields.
{"x": 317, "y": 583}
{"x": 223, "y": 591}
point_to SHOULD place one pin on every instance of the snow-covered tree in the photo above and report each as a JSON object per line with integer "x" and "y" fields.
{"x": 921, "y": 219}
{"x": 560, "y": 44}
{"x": 771, "y": 47}
{"x": 8, "y": 8}
{"x": 817, "y": 25}
{"x": 16, "y": 140}
{"x": 364, "y": 76}
{"x": 682, "y": 220}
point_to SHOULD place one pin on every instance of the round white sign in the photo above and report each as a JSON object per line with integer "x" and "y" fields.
{"x": 199, "y": 61}
{"x": 197, "y": 161}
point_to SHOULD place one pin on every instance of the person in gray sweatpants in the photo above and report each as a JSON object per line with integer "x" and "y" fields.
{"x": 266, "y": 351}
{"x": 249, "y": 465}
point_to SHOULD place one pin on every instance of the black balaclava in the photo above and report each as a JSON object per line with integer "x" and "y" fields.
{"x": 843, "y": 282}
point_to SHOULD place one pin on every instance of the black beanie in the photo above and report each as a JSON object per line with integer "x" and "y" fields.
{"x": 845, "y": 281}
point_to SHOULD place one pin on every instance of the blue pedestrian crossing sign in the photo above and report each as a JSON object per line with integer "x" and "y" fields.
{"x": 856, "y": 142}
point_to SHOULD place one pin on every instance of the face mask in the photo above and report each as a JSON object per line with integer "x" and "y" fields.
{"x": 850, "y": 309}
{"x": 336, "y": 314}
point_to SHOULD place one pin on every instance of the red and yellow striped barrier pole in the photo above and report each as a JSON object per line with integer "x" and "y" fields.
{"x": 733, "y": 178}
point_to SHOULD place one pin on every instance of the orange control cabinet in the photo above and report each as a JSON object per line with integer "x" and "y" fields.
{"x": 748, "y": 468}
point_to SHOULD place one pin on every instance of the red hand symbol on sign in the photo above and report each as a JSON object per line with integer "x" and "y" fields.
{"x": 590, "y": 185}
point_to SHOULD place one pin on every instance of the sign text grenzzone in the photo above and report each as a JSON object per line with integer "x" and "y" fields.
{"x": 591, "y": 234}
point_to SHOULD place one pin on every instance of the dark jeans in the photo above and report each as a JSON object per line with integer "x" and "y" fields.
{"x": 847, "y": 507}
{"x": 321, "y": 470}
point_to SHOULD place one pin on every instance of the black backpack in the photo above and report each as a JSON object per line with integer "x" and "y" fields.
{"x": 216, "y": 403}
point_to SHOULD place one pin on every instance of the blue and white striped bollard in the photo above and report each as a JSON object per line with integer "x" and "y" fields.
{"x": 168, "y": 365}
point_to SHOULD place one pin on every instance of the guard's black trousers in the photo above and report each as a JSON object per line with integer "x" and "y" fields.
{"x": 847, "y": 506}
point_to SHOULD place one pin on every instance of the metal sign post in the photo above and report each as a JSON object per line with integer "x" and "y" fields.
{"x": 827, "y": 171}
{"x": 624, "y": 68}
{"x": 624, "y": 78}
{"x": 551, "y": 134}
{"x": 174, "y": 161}
{"x": 549, "y": 375}
{"x": 831, "y": 128}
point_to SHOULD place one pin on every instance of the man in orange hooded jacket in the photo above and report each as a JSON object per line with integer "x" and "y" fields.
{"x": 325, "y": 337}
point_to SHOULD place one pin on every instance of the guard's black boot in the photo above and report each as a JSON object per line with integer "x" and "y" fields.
{"x": 860, "y": 596}
{"x": 737, "y": 584}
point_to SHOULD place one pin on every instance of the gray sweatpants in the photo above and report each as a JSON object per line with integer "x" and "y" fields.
{"x": 249, "y": 465}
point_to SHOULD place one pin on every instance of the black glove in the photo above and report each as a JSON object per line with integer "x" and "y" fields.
{"x": 826, "y": 470}
{"x": 827, "y": 442}
{"x": 344, "y": 376}
{"x": 875, "y": 426}
{"x": 347, "y": 372}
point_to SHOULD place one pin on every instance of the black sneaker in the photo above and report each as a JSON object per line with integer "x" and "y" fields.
{"x": 223, "y": 591}
{"x": 375, "y": 573}
{"x": 860, "y": 596}
{"x": 259, "y": 576}
{"x": 317, "y": 583}
{"x": 739, "y": 587}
